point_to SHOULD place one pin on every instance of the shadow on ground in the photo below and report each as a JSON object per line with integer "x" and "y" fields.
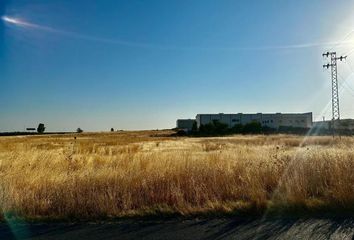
{"x": 221, "y": 228}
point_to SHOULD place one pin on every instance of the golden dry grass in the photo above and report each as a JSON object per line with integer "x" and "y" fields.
{"x": 138, "y": 173}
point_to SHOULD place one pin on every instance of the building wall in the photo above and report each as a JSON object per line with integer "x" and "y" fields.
{"x": 273, "y": 120}
{"x": 343, "y": 124}
{"x": 185, "y": 124}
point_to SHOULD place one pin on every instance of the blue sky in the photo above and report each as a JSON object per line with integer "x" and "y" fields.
{"x": 143, "y": 64}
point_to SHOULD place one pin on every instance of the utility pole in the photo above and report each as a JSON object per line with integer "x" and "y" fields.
{"x": 335, "y": 95}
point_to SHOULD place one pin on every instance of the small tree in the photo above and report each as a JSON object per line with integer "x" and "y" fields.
{"x": 40, "y": 128}
{"x": 214, "y": 128}
{"x": 237, "y": 128}
{"x": 112, "y": 129}
{"x": 220, "y": 128}
{"x": 252, "y": 128}
{"x": 194, "y": 127}
{"x": 267, "y": 129}
{"x": 79, "y": 130}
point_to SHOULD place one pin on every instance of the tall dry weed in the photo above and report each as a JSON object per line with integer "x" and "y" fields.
{"x": 120, "y": 174}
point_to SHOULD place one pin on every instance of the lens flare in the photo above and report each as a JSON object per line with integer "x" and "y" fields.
{"x": 10, "y": 20}
{"x": 25, "y": 24}
{"x": 15, "y": 21}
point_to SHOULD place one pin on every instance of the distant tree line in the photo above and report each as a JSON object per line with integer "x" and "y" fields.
{"x": 217, "y": 128}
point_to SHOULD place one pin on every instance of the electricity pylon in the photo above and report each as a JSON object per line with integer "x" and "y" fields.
{"x": 335, "y": 95}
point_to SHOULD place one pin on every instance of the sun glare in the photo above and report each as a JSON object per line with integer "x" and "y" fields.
{"x": 10, "y": 20}
{"x": 14, "y": 21}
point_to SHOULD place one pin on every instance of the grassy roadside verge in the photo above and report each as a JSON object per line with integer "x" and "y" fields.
{"x": 161, "y": 214}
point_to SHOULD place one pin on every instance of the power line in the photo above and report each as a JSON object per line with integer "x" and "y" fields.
{"x": 350, "y": 52}
{"x": 350, "y": 90}
{"x": 346, "y": 85}
{"x": 341, "y": 42}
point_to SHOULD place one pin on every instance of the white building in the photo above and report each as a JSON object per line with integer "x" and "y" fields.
{"x": 273, "y": 120}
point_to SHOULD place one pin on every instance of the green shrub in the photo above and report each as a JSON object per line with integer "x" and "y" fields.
{"x": 40, "y": 128}
{"x": 252, "y": 127}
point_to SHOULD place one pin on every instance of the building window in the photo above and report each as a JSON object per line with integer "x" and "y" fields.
{"x": 235, "y": 120}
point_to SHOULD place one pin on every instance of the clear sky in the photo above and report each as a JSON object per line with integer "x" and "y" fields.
{"x": 138, "y": 64}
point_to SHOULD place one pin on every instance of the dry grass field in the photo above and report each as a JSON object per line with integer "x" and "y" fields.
{"x": 141, "y": 173}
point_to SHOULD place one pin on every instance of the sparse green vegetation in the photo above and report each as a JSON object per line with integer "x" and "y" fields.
{"x": 217, "y": 128}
